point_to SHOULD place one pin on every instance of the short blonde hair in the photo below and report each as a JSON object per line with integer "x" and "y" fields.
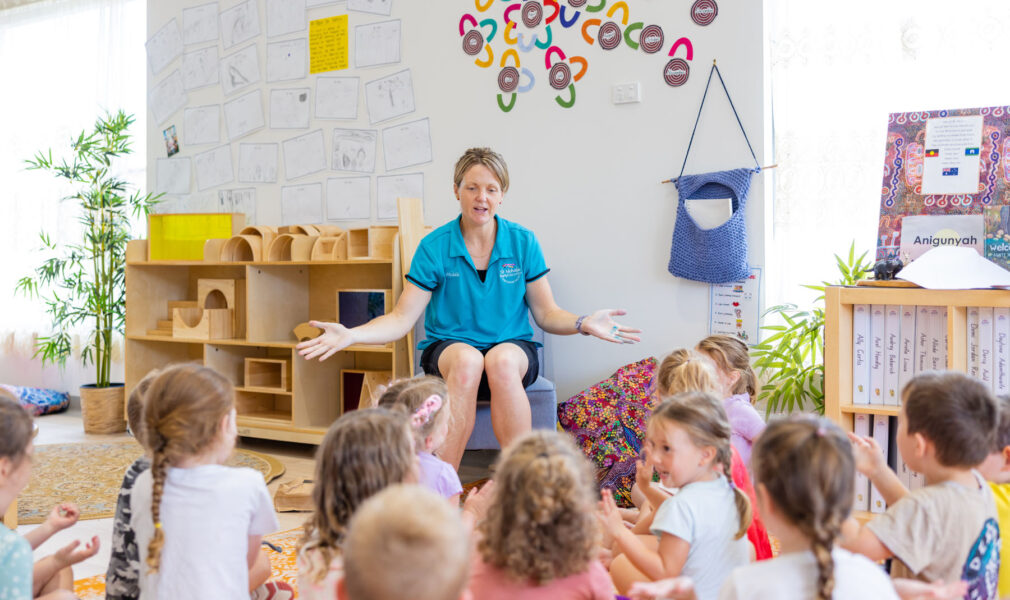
{"x": 685, "y": 371}
{"x": 406, "y": 541}
{"x": 486, "y": 157}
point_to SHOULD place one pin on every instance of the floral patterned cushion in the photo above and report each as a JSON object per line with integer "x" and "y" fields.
{"x": 40, "y": 401}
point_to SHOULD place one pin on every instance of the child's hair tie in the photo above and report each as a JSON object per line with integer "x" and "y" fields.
{"x": 429, "y": 407}
{"x": 157, "y": 525}
{"x": 821, "y": 431}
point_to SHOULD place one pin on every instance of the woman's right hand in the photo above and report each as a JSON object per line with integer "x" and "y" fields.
{"x": 335, "y": 337}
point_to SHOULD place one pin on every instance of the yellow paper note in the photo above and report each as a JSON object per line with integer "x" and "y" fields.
{"x": 328, "y": 44}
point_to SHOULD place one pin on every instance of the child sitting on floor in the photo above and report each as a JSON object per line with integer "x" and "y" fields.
{"x": 538, "y": 540}
{"x": 739, "y": 387}
{"x": 363, "y": 452}
{"x": 405, "y": 542}
{"x": 700, "y": 530}
{"x": 50, "y": 578}
{"x": 947, "y": 530}
{"x": 426, "y": 400}
{"x": 996, "y": 470}
{"x": 198, "y": 522}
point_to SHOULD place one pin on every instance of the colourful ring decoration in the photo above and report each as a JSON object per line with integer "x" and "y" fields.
{"x": 510, "y": 106}
{"x": 651, "y": 39}
{"x": 686, "y": 43}
{"x": 609, "y": 35}
{"x": 529, "y": 86}
{"x": 560, "y": 76}
{"x": 490, "y": 58}
{"x": 473, "y": 42}
{"x": 627, "y": 35}
{"x": 583, "y": 62}
{"x": 533, "y": 13}
{"x": 623, "y": 6}
{"x": 566, "y": 23}
{"x": 509, "y": 34}
{"x": 577, "y": 3}
{"x": 557, "y": 10}
{"x": 464, "y": 19}
{"x": 551, "y": 52}
{"x": 494, "y": 28}
{"x": 571, "y": 101}
{"x": 676, "y": 72}
{"x": 508, "y": 11}
{"x": 508, "y": 79}
{"x": 483, "y": 8}
{"x": 585, "y": 34}
{"x": 596, "y": 7}
{"x": 703, "y": 12}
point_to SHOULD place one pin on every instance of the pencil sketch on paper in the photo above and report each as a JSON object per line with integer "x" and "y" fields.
{"x": 354, "y": 150}
{"x": 200, "y": 68}
{"x": 407, "y": 144}
{"x": 376, "y": 7}
{"x": 285, "y": 16}
{"x": 173, "y": 176}
{"x": 242, "y": 200}
{"x": 240, "y": 70}
{"x": 304, "y": 154}
{"x": 377, "y": 44}
{"x": 167, "y": 97}
{"x": 213, "y": 167}
{"x": 201, "y": 125}
{"x": 289, "y": 109}
{"x": 287, "y": 60}
{"x": 302, "y": 204}
{"x": 348, "y": 198}
{"x": 199, "y": 24}
{"x": 337, "y": 98}
{"x": 257, "y": 163}
{"x": 389, "y": 97}
{"x": 315, "y": 3}
{"x": 164, "y": 46}
{"x": 391, "y": 187}
{"x": 239, "y": 24}
{"x": 244, "y": 115}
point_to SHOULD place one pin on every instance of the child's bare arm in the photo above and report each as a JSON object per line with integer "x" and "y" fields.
{"x": 642, "y": 558}
{"x": 673, "y": 551}
{"x": 870, "y": 461}
{"x": 656, "y": 496}
{"x": 860, "y": 540}
{"x": 253, "y": 553}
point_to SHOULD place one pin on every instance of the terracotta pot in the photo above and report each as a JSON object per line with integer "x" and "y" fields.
{"x": 103, "y": 408}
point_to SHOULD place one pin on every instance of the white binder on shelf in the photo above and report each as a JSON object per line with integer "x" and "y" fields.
{"x": 937, "y": 334}
{"x": 881, "y": 432}
{"x": 877, "y": 334}
{"x": 1001, "y": 352}
{"x": 922, "y": 363}
{"x": 861, "y": 427}
{"x": 972, "y": 344}
{"x": 906, "y": 360}
{"x": 860, "y": 354}
{"x": 986, "y": 361}
{"x": 892, "y": 353}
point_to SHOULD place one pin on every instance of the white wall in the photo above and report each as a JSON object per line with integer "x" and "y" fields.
{"x": 585, "y": 179}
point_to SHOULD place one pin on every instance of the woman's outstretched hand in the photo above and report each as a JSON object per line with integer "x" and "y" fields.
{"x": 335, "y": 337}
{"x": 602, "y": 325}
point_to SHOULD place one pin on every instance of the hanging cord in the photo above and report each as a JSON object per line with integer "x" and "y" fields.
{"x": 715, "y": 70}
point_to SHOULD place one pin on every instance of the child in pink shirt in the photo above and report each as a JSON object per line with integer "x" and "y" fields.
{"x": 739, "y": 386}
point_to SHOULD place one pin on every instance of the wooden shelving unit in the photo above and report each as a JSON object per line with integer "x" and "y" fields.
{"x": 278, "y": 296}
{"x": 839, "y": 301}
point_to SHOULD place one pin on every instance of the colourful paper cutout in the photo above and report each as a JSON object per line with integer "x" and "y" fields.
{"x": 328, "y": 44}
{"x": 571, "y": 101}
{"x": 490, "y": 58}
{"x": 687, "y": 44}
{"x": 627, "y": 34}
{"x": 623, "y": 6}
{"x": 566, "y": 23}
{"x": 585, "y": 34}
{"x": 484, "y": 7}
{"x": 596, "y": 8}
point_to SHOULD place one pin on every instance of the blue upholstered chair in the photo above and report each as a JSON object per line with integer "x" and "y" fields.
{"x": 541, "y": 393}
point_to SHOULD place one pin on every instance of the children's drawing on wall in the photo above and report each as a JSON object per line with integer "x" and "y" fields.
{"x": 337, "y": 98}
{"x": 201, "y": 125}
{"x": 389, "y": 97}
{"x": 200, "y": 68}
{"x": 941, "y": 164}
{"x": 171, "y": 141}
{"x": 213, "y": 167}
{"x": 239, "y": 24}
{"x": 517, "y": 37}
{"x": 257, "y": 163}
{"x": 376, "y": 7}
{"x": 287, "y": 60}
{"x": 164, "y": 46}
{"x": 289, "y": 109}
{"x": 354, "y": 150}
{"x": 377, "y": 44}
{"x": 199, "y": 24}
{"x": 240, "y": 70}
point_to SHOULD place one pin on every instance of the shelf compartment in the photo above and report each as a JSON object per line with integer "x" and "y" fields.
{"x": 149, "y": 292}
{"x": 268, "y": 374}
{"x": 143, "y": 356}
{"x": 359, "y": 387}
{"x": 263, "y": 408}
{"x": 230, "y": 361}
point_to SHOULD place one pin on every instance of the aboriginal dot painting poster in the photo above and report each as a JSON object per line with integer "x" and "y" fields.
{"x": 947, "y": 182}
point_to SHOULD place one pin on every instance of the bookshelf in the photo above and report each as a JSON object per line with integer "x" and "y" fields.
{"x": 838, "y": 339}
{"x": 278, "y": 394}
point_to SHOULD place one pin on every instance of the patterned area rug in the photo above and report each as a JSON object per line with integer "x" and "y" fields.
{"x": 283, "y": 566}
{"x": 90, "y": 476}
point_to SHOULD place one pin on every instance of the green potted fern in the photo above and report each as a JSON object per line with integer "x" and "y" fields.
{"x": 82, "y": 282}
{"x": 790, "y": 361}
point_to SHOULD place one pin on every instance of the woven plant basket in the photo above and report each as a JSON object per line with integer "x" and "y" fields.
{"x": 103, "y": 409}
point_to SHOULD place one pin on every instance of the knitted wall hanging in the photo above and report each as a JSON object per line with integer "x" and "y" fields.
{"x": 719, "y": 254}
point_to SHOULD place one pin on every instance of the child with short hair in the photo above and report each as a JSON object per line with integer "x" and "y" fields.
{"x": 701, "y": 529}
{"x": 405, "y": 541}
{"x": 996, "y": 470}
{"x": 363, "y": 452}
{"x": 538, "y": 538}
{"x": 51, "y": 578}
{"x": 198, "y": 521}
{"x": 739, "y": 389}
{"x": 426, "y": 400}
{"x": 947, "y": 530}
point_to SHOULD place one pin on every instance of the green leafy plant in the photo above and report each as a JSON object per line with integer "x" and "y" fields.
{"x": 790, "y": 361}
{"x": 83, "y": 281}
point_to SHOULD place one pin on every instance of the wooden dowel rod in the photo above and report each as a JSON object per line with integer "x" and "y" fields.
{"x": 762, "y": 168}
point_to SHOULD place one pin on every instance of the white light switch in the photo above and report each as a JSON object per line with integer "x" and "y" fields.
{"x": 623, "y": 93}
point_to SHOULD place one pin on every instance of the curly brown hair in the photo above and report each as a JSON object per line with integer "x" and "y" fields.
{"x": 540, "y": 523}
{"x": 363, "y": 452}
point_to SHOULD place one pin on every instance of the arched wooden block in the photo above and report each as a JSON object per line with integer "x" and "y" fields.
{"x": 304, "y": 331}
{"x": 329, "y": 230}
{"x": 243, "y": 248}
{"x": 291, "y": 247}
{"x": 302, "y": 229}
{"x": 265, "y": 233}
{"x": 203, "y": 324}
{"x": 330, "y": 248}
{"x": 212, "y": 249}
{"x": 212, "y": 294}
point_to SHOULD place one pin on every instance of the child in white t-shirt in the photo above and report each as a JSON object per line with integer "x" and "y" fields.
{"x": 198, "y": 523}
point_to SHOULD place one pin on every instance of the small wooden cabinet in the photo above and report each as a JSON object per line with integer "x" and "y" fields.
{"x": 278, "y": 394}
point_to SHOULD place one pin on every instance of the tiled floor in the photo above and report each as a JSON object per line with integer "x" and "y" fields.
{"x": 297, "y": 459}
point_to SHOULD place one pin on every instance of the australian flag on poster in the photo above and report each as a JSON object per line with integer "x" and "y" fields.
{"x": 950, "y": 172}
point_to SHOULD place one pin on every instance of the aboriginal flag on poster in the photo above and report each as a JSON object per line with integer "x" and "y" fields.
{"x": 944, "y": 163}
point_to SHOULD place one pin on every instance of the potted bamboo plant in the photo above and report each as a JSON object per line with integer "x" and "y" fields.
{"x": 82, "y": 281}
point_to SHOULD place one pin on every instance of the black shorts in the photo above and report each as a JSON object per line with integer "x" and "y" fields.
{"x": 430, "y": 355}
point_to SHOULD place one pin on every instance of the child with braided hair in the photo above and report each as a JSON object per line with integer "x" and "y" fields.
{"x": 197, "y": 522}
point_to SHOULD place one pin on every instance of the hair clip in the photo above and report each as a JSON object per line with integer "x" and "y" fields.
{"x": 429, "y": 407}
{"x": 821, "y": 431}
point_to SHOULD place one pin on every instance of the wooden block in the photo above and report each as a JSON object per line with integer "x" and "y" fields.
{"x": 380, "y": 241}
{"x": 224, "y": 293}
{"x": 203, "y": 324}
{"x": 165, "y": 324}
{"x": 372, "y": 387}
{"x": 280, "y": 249}
{"x": 329, "y": 230}
{"x": 243, "y": 248}
{"x": 212, "y": 249}
{"x": 268, "y": 373}
{"x": 304, "y": 331}
{"x": 329, "y": 248}
{"x": 174, "y": 304}
{"x": 357, "y": 243}
{"x": 264, "y": 232}
{"x": 294, "y": 496}
{"x": 301, "y": 247}
{"x": 160, "y": 332}
{"x": 302, "y": 229}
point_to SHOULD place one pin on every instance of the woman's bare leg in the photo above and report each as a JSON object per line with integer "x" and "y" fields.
{"x": 461, "y": 366}
{"x": 506, "y": 365}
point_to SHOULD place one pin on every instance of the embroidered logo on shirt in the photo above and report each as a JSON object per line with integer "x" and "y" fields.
{"x": 451, "y": 274}
{"x": 510, "y": 272}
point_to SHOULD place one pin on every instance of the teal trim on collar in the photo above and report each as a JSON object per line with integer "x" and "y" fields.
{"x": 503, "y": 247}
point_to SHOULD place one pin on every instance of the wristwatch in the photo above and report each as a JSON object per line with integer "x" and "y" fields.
{"x": 578, "y": 324}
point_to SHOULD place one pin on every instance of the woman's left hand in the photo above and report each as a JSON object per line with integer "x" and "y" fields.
{"x": 602, "y": 325}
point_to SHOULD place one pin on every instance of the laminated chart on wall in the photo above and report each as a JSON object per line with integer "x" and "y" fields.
{"x": 946, "y": 183}
{"x": 735, "y": 307}
{"x": 550, "y": 43}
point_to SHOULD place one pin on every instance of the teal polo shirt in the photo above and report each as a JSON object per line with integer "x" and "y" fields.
{"x": 464, "y": 308}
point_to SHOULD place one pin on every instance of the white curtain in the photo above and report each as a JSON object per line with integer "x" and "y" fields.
{"x": 62, "y": 63}
{"x": 837, "y": 70}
